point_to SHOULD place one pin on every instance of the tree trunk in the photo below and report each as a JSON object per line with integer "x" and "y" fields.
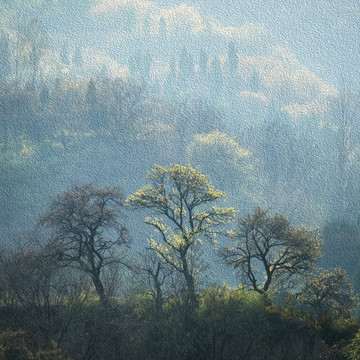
{"x": 100, "y": 291}
{"x": 190, "y": 282}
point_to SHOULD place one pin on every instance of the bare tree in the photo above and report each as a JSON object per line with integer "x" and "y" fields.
{"x": 86, "y": 232}
{"x": 269, "y": 245}
{"x": 39, "y": 295}
{"x": 157, "y": 272}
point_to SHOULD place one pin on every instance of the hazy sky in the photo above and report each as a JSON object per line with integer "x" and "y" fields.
{"x": 324, "y": 35}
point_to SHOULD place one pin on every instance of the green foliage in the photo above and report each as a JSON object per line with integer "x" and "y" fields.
{"x": 232, "y": 167}
{"x": 329, "y": 295}
{"x": 228, "y": 321}
{"x": 51, "y": 353}
{"x": 14, "y": 345}
{"x": 352, "y": 351}
{"x": 18, "y": 345}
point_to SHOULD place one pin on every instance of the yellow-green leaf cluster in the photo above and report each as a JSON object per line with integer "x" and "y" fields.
{"x": 184, "y": 198}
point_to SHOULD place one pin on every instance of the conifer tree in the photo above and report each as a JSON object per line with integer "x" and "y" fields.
{"x": 5, "y": 57}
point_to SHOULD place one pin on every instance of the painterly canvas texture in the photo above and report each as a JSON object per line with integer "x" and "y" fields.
{"x": 164, "y": 164}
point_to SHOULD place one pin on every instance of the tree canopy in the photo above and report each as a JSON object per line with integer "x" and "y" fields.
{"x": 269, "y": 244}
{"x": 329, "y": 295}
{"x": 231, "y": 165}
{"x": 86, "y": 230}
{"x": 183, "y": 198}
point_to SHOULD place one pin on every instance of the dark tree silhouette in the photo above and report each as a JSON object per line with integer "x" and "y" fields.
{"x": 270, "y": 245}
{"x": 232, "y": 58}
{"x": 5, "y": 57}
{"x": 77, "y": 58}
{"x": 86, "y": 231}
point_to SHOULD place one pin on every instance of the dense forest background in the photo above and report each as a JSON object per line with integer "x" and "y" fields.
{"x": 105, "y": 94}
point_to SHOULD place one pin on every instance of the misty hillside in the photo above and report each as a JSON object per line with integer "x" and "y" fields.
{"x": 102, "y": 90}
{"x": 179, "y": 180}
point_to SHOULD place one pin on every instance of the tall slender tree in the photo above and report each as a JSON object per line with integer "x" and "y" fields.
{"x": 5, "y": 57}
{"x": 181, "y": 196}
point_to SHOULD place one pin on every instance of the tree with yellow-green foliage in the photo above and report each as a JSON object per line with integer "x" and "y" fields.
{"x": 352, "y": 351}
{"x": 329, "y": 295}
{"x": 183, "y": 199}
{"x": 233, "y": 167}
{"x": 18, "y": 345}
